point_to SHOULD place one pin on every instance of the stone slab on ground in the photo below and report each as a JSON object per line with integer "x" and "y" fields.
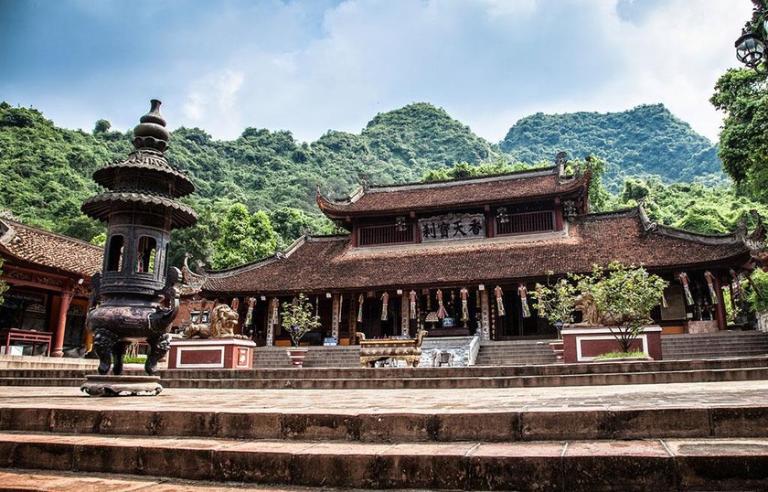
{"x": 650, "y": 396}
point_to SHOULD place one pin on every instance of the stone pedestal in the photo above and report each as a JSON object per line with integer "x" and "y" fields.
{"x": 211, "y": 353}
{"x": 585, "y": 343}
{"x": 97, "y": 385}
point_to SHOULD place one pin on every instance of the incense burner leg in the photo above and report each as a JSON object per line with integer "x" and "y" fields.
{"x": 118, "y": 351}
{"x": 104, "y": 342}
{"x": 158, "y": 347}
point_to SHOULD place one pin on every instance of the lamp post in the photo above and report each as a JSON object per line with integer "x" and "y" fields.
{"x": 752, "y": 45}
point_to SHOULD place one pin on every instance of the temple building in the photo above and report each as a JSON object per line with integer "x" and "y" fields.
{"x": 463, "y": 257}
{"x": 49, "y": 276}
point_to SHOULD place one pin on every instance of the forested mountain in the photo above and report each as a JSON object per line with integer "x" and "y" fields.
{"x": 646, "y": 140}
{"x": 45, "y": 171}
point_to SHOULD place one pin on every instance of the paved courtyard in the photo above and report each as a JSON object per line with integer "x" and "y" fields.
{"x": 648, "y": 396}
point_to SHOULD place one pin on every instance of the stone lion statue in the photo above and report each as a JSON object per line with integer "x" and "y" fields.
{"x": 223, "y": 323}
{"x": 590, "y": 316}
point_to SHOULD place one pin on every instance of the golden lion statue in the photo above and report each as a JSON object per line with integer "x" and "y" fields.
{"x": 223, "y": 323}
{"x": 590, "y": 316}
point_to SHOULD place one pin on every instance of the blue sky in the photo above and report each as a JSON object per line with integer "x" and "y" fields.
{"x": 310, "y": 66}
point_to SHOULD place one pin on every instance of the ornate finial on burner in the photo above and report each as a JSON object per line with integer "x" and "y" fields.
{"x": 151, "y": 132}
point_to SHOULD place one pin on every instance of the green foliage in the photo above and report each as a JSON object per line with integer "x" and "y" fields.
{"x": 243, "y": 237}
{"x": 3, "y": 284}
{"x": 298, "y": 318}
{"x": 102, "y": 126}
{"x": 743, "y": 96}
{"x": 757, "y": 291}
{"x": 645, "y": 140}
{"x": 693, "y": 207}
{"x": 637, "y": 354}
{"x": 557, "y": 301}
{"x": 99, "y": 239}
{"x": 291, "y": 223}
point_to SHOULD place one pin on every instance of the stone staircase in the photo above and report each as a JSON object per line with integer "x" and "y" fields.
{"x": 447, "y": 352}
{"x": 724, "y": 344}
{"x": 515, "y": 353}
{"x": 277, "y": 357}
{"x": 629, "y": 449}
{"x": 588, "y": 374}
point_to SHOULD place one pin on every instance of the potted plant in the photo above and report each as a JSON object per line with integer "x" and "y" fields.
{"x": 298, "y": 320}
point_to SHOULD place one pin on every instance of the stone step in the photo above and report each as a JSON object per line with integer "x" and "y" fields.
{"x": 684, "y": 376}
{"x": 419, "y": 372}
{"x": 668, "y": 464}
{"x": 375, "y": 427}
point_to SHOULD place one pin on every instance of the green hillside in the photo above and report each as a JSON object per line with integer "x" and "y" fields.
{"x": 45, "y": 171}
{"x": 645, "y": 140}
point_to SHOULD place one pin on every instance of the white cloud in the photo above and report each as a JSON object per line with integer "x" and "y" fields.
{"x": 308, "y": 66}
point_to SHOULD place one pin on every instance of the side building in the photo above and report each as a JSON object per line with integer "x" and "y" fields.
{"x": 460, "y": 257}
{"x": 49, "y": 276}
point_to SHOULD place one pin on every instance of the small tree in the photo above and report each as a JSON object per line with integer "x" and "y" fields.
{"x": 3, "y": 285}
{"x": 298, "y": 319}
{"x": 626, "y": 296}
{"x": 556, "y": 302}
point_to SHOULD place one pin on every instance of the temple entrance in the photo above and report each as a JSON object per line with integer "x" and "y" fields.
{"x": 512, "y": 324}
{"x": 373, "y": 326}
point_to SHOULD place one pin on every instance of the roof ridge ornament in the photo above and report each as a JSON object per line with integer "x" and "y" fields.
{"x": 648, "y": 224}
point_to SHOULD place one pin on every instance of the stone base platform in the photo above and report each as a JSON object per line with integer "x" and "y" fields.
{"x": 211, "y": 353}
{"x": 97, "y": 385}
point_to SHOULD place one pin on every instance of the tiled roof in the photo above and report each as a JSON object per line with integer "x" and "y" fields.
{"x": 467, "y": 192}
{"x": 54, "y": 251}
{"x": 329, "y": 263}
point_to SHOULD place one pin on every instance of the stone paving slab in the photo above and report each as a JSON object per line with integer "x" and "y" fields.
{"x": 353, "y": 402}
{"x": 108, "y": 482}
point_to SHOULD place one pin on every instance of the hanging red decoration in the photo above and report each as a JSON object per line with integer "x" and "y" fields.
{"x": 522, "y": 291}
{"x": 499, "y": 300}
{"x": 249, "y": 313}
{"x": 441, "y": 312}
{"x": 384, "y": 306}
{"x": 686, "y": 287}
{"x": 711, "y": 286}
{"x": 464, "y": 293}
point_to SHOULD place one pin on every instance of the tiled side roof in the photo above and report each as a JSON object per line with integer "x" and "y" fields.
{"x": 54, "y": 251}
{"x": 464, "y": 192}
{"x": 323, "y": 264}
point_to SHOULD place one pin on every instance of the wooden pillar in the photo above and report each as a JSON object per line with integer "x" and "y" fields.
{"x": 722, "y": 320}
{"x": 405, "y": 315}
{"x": 335, "y": 318}
{"x": 271, "y": 321}
{"x": 58, "y": 335}
{"x": 352, "y": 319}
{"x": 485, "y": 315}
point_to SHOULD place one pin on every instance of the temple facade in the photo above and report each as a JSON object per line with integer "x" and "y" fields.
{"x": 49, "y": 276}
{"x": 463, "y": 257}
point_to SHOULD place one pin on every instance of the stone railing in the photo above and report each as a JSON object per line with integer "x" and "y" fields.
{"x": 762, "y": 321}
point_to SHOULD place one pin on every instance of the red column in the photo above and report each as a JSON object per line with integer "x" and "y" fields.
{"x": 722, "y": 320}
{"x": 58, "y": 336}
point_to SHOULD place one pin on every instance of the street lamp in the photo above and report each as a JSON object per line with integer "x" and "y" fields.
{"x": 750, "y": 50}
{"x": 751, "y": 45}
